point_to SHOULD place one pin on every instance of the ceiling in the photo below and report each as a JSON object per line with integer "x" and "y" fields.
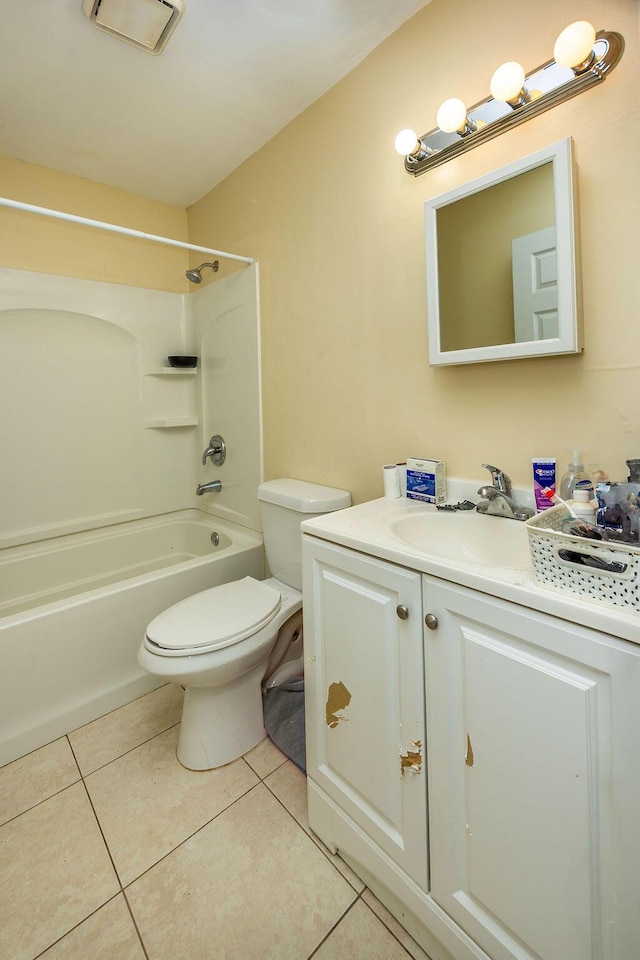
{"x": 170, "y": 127}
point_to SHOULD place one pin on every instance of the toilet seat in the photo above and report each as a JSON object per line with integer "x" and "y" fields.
{"x": 213, "y": 618}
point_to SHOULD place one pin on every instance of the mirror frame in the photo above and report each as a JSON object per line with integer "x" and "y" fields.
{"x": 569, "y": 339}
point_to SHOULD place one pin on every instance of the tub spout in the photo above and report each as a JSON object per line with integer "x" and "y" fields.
{"x": 213, "y": 486}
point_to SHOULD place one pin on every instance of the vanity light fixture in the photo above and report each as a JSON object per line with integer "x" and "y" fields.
{"x": 507, "y": 85}
{"x": 452, "y": 118}
{"x": 582, "y": 58}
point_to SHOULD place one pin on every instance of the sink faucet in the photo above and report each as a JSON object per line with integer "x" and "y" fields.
{"x": 499, "y": 479}
{"x": 497, "y": 500}
{"x": 213, "y": 486}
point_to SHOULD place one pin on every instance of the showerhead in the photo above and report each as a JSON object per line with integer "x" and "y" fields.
{"x": 195, "y": 276}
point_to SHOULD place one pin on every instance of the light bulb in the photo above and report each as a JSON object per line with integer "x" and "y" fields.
{"x": 406, "y": 142}
{"x": 507, "y": 82}
{"x": 574, "y": 44}
{"x": 452, "y": 115}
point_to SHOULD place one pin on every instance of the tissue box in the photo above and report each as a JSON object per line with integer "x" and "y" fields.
{"x": 426, "y": 480}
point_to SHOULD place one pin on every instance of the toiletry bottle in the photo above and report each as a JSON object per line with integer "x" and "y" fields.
{"x": 582, "y": 506}
{"x": 574, "y": 472}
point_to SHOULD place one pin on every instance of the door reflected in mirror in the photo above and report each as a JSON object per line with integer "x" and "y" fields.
{"x": 501, "y": 265}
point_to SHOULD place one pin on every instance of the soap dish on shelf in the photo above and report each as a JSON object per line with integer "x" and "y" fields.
{"x": 182, "y": 361}
{"x": 606, "y": 571}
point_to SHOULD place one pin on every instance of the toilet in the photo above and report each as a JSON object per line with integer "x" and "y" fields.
{"x": 222, "y": 644}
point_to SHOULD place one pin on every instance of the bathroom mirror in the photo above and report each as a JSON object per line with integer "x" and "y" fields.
{"x": 502, "y": 263}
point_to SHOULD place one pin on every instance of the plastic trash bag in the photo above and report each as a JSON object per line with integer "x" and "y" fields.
{"x": 284, "y": 719}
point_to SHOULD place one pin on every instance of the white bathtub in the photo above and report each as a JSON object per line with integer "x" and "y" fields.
{"x": 73, "y": 611}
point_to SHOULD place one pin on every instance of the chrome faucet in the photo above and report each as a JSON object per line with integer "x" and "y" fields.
{"x": 497, "y": 500}
{"x": 213, "y": 486}
{"x": 499, "y": 479}
{"x": 217, "y": 450}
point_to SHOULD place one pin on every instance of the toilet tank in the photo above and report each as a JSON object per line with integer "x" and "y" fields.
{"x": 284, "y": 504}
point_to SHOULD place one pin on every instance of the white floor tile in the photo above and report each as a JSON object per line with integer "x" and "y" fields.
{"x": 147, "y": 803}
{"x": 109, "y": 737}
{"x": 250, "y": 885}
{"x": 55, "y": 872}
{"x": 34, "y": 778}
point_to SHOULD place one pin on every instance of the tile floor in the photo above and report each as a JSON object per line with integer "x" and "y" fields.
{"x": 110, "y": 850}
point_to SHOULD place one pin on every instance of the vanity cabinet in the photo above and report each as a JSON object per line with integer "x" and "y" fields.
{"x": 515, "y": 836}
{"x": 365, "y": 697}
{"x": 532, "y": 762}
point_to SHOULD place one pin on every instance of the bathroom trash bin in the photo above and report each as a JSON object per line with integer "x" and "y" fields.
{"x": 606, "y": 571}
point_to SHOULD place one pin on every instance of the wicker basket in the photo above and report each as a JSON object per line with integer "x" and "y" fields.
{"x": 605, "y": 571}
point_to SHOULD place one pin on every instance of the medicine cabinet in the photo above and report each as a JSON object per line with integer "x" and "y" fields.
{"x": 502, "y": 263}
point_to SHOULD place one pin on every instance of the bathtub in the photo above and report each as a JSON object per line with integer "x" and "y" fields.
{"x": 73, "y": 611}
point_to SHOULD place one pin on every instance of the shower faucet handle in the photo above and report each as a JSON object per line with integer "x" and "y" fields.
{"x": 217, "y": 451}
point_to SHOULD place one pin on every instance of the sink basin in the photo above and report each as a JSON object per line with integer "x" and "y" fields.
{"x": 466, "y": 537}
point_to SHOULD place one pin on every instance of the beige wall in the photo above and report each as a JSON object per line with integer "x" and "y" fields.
{"x": 338, "y": 225}
{"x": 31, "y": 242}
{"x": 339, "y": 233}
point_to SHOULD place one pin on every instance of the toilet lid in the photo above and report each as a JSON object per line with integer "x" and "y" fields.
{"x": 217, "y": 617}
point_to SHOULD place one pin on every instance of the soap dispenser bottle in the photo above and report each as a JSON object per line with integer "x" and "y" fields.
{"x": 583, "y": 505}
{"x": 574, "y": 473}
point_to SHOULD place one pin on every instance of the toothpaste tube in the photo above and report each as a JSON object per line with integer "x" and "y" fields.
{"x": 544, "y": 478}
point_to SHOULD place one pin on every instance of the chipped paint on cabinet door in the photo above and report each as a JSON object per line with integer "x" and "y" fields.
{"x": 364, "y": 688}
{"x": 411, "y": 761}
{"x": 338, "y": 699}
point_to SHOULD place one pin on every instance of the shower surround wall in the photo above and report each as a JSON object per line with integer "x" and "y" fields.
{"x": 226, "y": 318}
{"x": 94, "y": 429}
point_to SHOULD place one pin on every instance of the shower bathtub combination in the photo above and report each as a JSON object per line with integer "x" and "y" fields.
{"x": 74, "y": 609}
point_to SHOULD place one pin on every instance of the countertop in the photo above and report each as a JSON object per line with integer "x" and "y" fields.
{"x": 366, "y": 528}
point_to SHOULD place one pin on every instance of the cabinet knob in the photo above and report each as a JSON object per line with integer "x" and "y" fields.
{"x": 402, "y": 611}
{"x": 431, "y": 621}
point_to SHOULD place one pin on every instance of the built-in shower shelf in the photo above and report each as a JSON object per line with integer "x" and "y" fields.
{"x": 162, "y": 423}
{"x": 172, "y": 372}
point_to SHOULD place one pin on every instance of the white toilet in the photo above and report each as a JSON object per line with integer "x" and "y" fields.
{"x": 222, "y": 643}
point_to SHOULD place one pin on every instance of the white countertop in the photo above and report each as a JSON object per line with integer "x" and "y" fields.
{"x": 366, "y": 528}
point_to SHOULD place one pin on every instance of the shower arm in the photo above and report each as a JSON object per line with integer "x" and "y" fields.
{"x": 113, "y": 228}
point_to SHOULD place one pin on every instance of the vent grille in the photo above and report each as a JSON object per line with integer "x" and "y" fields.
{"x": 147, "y": 24}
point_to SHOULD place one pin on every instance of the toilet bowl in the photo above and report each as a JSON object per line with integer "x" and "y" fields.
{"x": 222, "y": 644}
{"x": 221, "y": 665}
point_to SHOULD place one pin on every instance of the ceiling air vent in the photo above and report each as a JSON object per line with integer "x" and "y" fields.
{"x": 146, "y": 24}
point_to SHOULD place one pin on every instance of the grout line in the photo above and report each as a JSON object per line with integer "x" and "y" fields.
{"x": 126, "y": 752}
{"x": 395, "y": 937}
{"x": 317, "y": 842}
{"x": 328, "y": 855}
{"x": 55, "y": 792}
{"x": 333, "y": 928}
{"x": 104, "y": 839}
{"x": 79, "y": 924}
{"x": 135, "y": 924}
{"x": 253, "y": 770}
{"x": 39, "y": 803}
{"x": 122, "y": 890}
{"x": 35, "y": 750}
{"x": 182, "y": 842}
{"x": 73, "y": 754}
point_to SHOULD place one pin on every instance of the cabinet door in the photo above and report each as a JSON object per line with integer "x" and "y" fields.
{"x": 532, "y": 762}
{"x": 364, "y": 692}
